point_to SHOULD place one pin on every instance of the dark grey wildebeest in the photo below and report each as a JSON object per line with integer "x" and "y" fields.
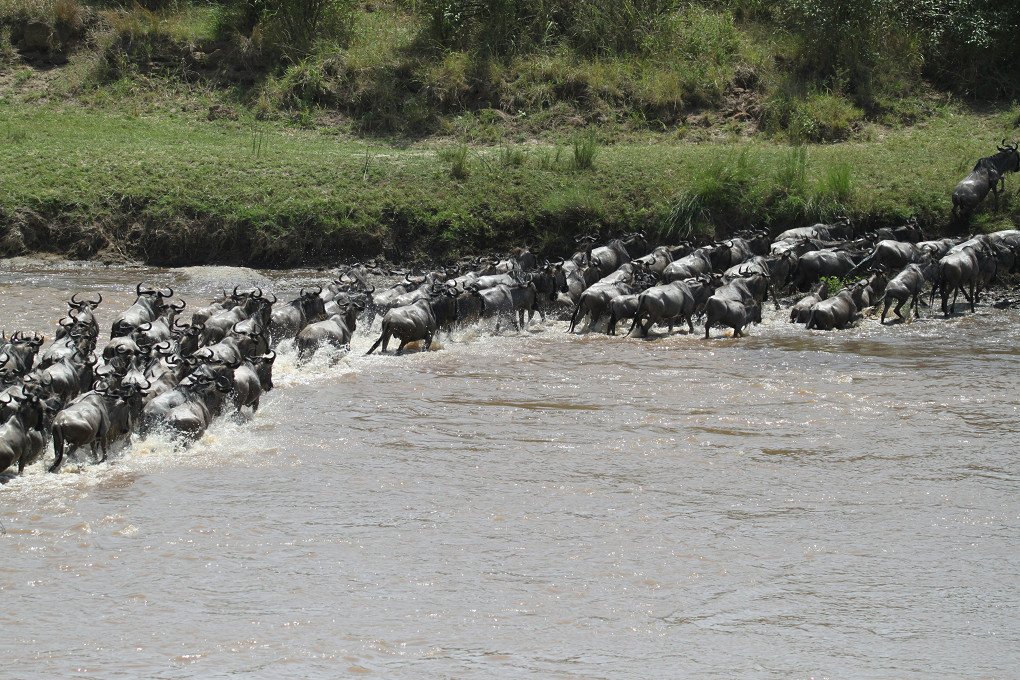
{"x": 838, "y": 311}
{"x": 907, "y": 286}
{"x": 989, "y": 174}
{"x": 419, "y": 321}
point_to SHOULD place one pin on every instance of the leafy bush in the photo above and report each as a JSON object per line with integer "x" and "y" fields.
{"x": 834, "y": 284}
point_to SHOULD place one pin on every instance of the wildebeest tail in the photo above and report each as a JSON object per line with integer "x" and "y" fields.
{"x": 385, "y": 333}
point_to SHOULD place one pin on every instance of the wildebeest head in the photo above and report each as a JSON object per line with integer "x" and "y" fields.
{"x": 1011, "y": 156}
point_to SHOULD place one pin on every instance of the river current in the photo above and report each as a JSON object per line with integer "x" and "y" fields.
{"x": 791, "y": 504}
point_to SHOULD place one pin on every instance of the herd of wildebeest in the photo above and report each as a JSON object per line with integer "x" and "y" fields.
{"x": 158, "y": 373}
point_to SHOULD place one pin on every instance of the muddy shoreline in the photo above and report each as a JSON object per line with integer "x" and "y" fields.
{"x": 125, "y": 238}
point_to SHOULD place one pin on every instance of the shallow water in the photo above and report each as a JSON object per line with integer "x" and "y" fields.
{"x": 790, "y": 504}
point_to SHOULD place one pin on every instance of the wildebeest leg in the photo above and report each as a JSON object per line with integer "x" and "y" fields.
{"x": 104, "y": 444}
{"x": 60, "y": 457}
{"x": 973, "y": 295}
{"x": 737, "y": 332}
{"x": 611, "y": 327}
{"x": 707, "y": 326}
{"x": 428, "y": 342}
{"x": 690, "y": 324}
{"x": 917, "y": 312}
{"x": 945, "y": 300}
{"x": 888, "y": 303}
{"x": 254, "y": 405}
{"x": 400, "y": 350}
{"x": 574, "y": 318}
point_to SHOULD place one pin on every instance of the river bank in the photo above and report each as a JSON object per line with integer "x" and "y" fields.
{"x": 180, "y": 190}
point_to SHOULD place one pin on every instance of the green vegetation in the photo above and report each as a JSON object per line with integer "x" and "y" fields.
{"x": 288, "y": 131}
{"x": 834, "y": 284}
{"x": 177, "y": 190}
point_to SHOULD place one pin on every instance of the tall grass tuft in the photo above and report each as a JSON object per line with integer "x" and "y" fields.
{"x": 585, "y": 149}
{"x": 836, "y": 185}
{"x": 791, "y": 171}
{"x": 457, "y": 157}
{"x": 512, "y": 157}
{"x": 685, "y": 214}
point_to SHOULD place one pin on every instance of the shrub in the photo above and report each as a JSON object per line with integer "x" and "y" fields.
{"x": 834, "y": 284}
{"x": 290, "y": 28}
{"x": 814, "y": 118}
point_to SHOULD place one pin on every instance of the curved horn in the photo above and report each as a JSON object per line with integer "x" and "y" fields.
{"x": 180, "y": 306}
{"x": 168, "y": 294}
{"x": 97, "y": 302}
{"x": 257, "y": 293}
{"x": 274, "y": 300}
{"x": 270, "y": 357}
{"x": 75, "y": 302}
{"x": 234, "y": 294}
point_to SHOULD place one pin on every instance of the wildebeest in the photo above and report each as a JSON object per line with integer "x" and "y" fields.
{"x": 252, "y": 379}
{"x": 335, "y": 331}
{"x": 989, "y": 174}
{"x": 732, "y": 313}
{"x": 800, "y": 312}
{"x": 190, "y": 419}
{"x": 837, "y": 231}
{"x": 907, "y": 286}
{"x": 814, "y": 265}
{"x": 95, "y": 419}
{"x": 959, "y": 270}
{"x": 509, "y": 301}
{"x": 868, "y": 291}
{"x": 80, "y": 315}
{"x": 672, "y": 302}
{"x": 894, "y": 255}
{"x": 20, "y": 351}
{"x": 838, "y": 311}
{"x": 701, "y": 261}
{"x": 594, "y": 301}
{"x": 618, "y": 252}
{"x": 147, "y": 307}
{"x": 419, "y": 321}
{"x": 17, "y": 444}
{"x": 287, "y": 321}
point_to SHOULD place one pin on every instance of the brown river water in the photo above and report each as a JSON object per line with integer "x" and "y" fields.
{"x": 790, "y": 504}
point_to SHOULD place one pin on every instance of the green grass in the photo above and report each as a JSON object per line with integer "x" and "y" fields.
{"x": 176, "y": 188}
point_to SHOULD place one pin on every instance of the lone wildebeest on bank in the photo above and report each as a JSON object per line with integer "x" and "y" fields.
{"x": 989, "y": 174}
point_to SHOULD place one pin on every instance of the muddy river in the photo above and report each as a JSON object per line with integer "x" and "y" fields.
{"x": 790, "y": 504}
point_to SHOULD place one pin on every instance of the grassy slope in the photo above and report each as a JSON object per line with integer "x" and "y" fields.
{"x": 176, "y": 190}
